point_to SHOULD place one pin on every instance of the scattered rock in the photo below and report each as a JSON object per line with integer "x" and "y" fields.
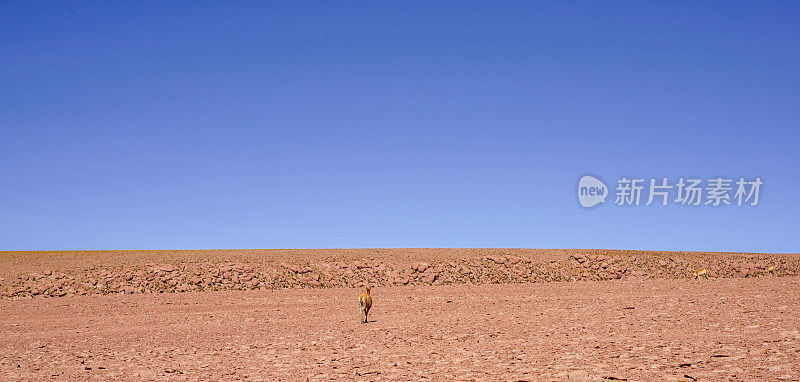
{"x": 578, "y": 375}
{"x": 419, "y": 267}
{"x": 161, "y": 278}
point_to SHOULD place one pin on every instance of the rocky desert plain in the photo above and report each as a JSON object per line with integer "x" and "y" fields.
{"x": 438, "y": 314}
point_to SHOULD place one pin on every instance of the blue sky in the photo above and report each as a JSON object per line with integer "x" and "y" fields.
{"x": 169, "y": 125}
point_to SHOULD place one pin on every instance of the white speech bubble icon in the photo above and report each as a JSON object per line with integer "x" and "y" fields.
{"x": 591, "y": 191}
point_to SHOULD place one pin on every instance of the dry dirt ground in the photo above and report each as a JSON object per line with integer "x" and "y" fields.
{"x": 644, "y": 329}
{"x": 42, "y": 274}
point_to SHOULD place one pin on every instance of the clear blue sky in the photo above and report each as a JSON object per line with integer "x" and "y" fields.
{"x": 172, "y": 125}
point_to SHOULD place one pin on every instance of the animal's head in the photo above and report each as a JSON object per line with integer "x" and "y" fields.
{"x": 367, "y": 289}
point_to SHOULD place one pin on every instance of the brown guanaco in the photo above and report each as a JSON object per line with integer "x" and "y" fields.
{"x": 364, "y": 303}
{"x": 700, "y": 272}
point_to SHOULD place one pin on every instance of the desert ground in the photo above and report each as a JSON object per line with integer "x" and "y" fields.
{"x": 437, "y": 315}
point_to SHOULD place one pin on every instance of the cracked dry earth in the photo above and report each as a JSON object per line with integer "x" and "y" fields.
{"x": 718, "y": 329}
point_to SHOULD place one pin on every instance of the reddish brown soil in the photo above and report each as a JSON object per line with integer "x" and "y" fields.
{"x": 646, "y": 330}
{"x": 59, "y": 274}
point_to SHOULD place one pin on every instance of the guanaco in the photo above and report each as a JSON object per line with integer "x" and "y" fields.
{"x": 700, "y": 272}
{"x": 364, "y": 302}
